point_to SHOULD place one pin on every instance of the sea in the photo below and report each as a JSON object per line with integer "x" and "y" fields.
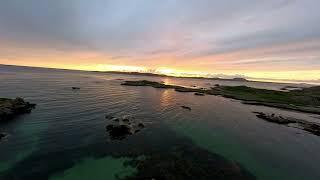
{"x": 65, "y": 137}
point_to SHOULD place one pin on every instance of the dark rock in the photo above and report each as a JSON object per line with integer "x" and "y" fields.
{"x": 118, "y": 131}
{"x": 137, "y": 130}
{"x": 109, "y": 127}
{"x": 312, "y": 128}
{"x": 2, "y": 135}
{"x": 140, "y": 125}
{"x": 198, "y": 94}
{"x": 75, "y": 88}
{"x": 186, "y": 107}
{"x": 125, "y": 120}
{"x": 109, "y": 117}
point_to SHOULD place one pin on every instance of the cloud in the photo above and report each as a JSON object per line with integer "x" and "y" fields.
{"x": 190, "y": 34}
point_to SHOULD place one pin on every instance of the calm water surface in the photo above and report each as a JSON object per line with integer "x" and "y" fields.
{"x": 65, "y": 137}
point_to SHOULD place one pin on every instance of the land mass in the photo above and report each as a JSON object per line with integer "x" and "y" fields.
{"x": 163, "y": 75}
{"x": 303, "y": 100}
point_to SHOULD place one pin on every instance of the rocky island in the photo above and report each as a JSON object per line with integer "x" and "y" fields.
{"x": 10, "y": 108}
{"x": 120, "y": 128}
{"x": 311, "y": 127}
{"x": 304, "y": 100}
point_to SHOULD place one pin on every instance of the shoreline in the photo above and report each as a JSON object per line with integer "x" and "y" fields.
{"x": 306, "y": 100}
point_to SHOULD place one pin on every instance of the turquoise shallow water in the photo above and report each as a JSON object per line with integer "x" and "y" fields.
{"x": 65, "y": 137}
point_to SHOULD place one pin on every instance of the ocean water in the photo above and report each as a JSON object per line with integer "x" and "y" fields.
{"x": 65, "y": 137}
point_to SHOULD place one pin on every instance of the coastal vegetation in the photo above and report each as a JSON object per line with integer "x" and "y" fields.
{"x": 304, "y": 100}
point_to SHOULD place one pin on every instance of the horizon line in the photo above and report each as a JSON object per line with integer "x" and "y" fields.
{"x": 249, "y": 79}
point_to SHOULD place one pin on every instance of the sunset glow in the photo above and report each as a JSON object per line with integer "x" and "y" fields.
{"x": 276, "y": 40}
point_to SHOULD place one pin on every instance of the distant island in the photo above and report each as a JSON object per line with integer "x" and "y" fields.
{"x": 236, "y": 79}
{"x": 131, "y": 73}
{"x": 163, "y": 75}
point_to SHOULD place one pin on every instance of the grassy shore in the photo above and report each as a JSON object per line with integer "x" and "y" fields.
{"x": 305, "y": 100}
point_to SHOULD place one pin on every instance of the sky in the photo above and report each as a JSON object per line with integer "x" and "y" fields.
{"x": 270, "y": 39}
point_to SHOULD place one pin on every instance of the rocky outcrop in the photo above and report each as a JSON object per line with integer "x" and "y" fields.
{"x": 10, "y": 108}
{"x": 273, "y": 118}
{"x": 311, "y": 127}
{"x": 120, "y": 128}
{"x": 186, "y": 107}
{"x": 199, "y": 94}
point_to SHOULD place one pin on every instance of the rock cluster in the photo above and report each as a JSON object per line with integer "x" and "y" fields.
{"x": 120, "y": 128}
{"x": 9, "y": 108}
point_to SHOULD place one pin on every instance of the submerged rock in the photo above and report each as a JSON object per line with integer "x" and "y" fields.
{"x": 186, "y": 107}
{"x": 10, "y": 108}
{"x": 199, "y": 94}
{"x": 186, "y": 162}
